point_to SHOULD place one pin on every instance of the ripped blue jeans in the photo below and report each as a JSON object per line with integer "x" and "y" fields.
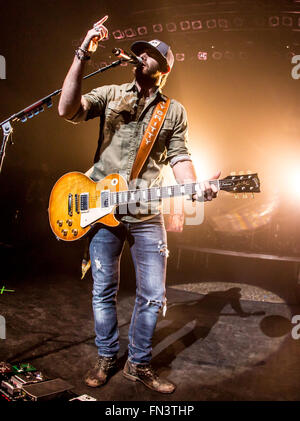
{"x": 148, "y": 246}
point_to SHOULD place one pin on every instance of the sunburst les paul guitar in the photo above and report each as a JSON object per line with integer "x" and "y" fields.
{"x": 77, "y": 203}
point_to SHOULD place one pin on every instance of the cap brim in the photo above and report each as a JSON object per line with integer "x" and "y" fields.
{"x": 139, "y": 47}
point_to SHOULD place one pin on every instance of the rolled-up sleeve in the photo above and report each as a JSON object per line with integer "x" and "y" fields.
{"x": 178, "y": 144}
{"x": 97, "y": 100}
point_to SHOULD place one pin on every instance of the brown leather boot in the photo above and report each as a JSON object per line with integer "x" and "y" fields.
{"x": 99, "y": 374}
{"x": 145, "y": 373}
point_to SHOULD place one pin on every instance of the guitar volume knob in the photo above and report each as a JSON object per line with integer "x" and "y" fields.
{"x": 69, "y": 222}
{"x": 59, "y": 222}
{"x": 64, "y": 232}
{"x": 75, "y": 232}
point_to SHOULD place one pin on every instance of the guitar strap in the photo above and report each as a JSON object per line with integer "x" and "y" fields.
{"x": 149, "y": 137}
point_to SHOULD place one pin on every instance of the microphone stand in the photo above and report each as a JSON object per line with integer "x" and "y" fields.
{"x": 35, "y": 109}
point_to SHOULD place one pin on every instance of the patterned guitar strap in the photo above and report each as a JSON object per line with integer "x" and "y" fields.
{"x": 149, "y": 137}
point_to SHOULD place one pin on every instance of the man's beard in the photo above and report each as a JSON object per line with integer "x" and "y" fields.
{"x": 146, "y": 78}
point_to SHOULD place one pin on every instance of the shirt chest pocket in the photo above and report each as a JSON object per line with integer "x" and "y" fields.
{"x": 116, "y": 116}
{"x": 165, "y": 131}
{"x": 161, "y": 143}
{"x": 165, "y": 134}
{"x": 113, "y": 110}
{"x": 120, "y": 110}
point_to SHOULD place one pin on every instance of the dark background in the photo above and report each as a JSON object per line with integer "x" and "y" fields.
{"x": 242, "y": 105}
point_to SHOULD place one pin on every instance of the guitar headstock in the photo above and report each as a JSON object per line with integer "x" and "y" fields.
{"x": 241, "y": 183}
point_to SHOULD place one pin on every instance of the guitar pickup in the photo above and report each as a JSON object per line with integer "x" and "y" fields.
{"x": 105, "y": 199}
{"x": 77, "y": 203}
{"x": 84, "y": 202}
{"x": 70, "y": 204}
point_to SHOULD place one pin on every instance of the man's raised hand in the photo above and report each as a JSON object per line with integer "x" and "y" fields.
{"x": 94, "y": 35}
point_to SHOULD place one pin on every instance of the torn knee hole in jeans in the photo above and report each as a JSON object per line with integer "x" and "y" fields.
{"x": 160, "y": 304}
{"x": 163, "y": 249}
{"x": 98, "y": 264}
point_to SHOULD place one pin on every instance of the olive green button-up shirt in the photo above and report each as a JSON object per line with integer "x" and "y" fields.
{"x": 122, "y": 126}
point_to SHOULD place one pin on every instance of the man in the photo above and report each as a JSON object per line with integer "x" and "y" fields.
{"x": 125, "y": 111}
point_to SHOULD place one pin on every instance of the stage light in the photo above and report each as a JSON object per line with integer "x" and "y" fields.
{"x": 201, "y": 160}
{"x": 142, "y": 30}
{"x": 197, "y": 24}
{"x": 217, "y": 55}
{"x": 202, "y": 55}
{"x": 171, "y": 26}
{"x": 157, "y": 27}
{"x": 211, "y": 23}
{"x": 238, "y": 22}
{"x": 287, "y": 21}
{"x": 223, "y": 23}
{"x": 118, "y": 34}
{"x": 185, "y": 25}
{"x": 229, "y": 55}
{"x": 273, "y": 21}
{"x": 294, "y": 183}
{"x": 130, "y": 33}
{"x": 180, "y": 56}
{"x": 243, "y": 55}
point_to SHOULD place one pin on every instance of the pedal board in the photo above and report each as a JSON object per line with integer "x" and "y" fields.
{"x": 47, "y": 390}
{"x": 85, "y": 398}
{"x": 23, "y": 382}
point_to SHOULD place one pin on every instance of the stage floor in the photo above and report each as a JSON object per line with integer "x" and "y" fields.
{"x": 214, "y": 346}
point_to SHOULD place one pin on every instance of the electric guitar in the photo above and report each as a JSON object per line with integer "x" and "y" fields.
{"x": 77, "y": 203}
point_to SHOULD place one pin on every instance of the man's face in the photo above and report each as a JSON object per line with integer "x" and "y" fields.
{"x": 151, "y": 65}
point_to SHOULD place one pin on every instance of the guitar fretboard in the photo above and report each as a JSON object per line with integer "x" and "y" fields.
{"x": 156, "y": 193}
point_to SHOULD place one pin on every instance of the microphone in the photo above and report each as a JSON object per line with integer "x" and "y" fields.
{"x": 129, "y": 57}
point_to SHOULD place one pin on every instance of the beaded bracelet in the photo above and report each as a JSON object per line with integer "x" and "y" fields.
{"x": 79, "y": 55}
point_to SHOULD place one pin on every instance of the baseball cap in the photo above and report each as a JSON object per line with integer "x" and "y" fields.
{"x": 161, "y": 50}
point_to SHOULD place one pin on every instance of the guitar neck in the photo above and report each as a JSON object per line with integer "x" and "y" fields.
{"x": 158, "y": 193}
